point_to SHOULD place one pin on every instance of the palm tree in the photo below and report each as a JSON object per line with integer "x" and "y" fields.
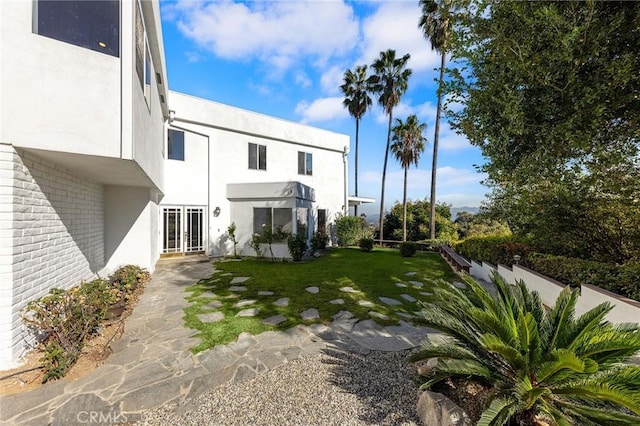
{"x": 544, "y": 366}
{"x": 408, "y": 144}
{"x": 390, "y": 82}
{"x": 437, "y": 24}
{"x": 356, "y": 99}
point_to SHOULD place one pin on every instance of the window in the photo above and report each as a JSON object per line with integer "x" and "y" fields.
{"x": 322, "y": 220}
{"x": 305, "y": 163}
{"x": 257, "y": 157}
{"x": 303, "y": 221}
{"x": 176, "y": 145}
{"x": 93, "y": 24}
{"x": 140, "y": 46}
{"x": 275, "y": 220}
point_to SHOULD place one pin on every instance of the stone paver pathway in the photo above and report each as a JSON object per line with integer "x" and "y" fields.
{"x": 152, "y": 364}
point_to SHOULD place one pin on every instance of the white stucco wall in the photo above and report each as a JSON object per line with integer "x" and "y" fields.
{"x": 228, "y": 131}
{"x": 52, "y": 236}
{"x": 68, "y": 93}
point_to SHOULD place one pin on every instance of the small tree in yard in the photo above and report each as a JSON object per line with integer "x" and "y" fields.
{"x": 544, "y": 367}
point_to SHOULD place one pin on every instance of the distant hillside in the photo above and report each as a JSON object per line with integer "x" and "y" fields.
{"x": 375, "y": 218}
{"x": 455, "y": 210}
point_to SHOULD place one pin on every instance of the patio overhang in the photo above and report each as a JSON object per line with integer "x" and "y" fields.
{"x": 356, "y": 201}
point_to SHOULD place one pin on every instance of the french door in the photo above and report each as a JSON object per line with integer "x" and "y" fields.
{"x": 183, "y": 229}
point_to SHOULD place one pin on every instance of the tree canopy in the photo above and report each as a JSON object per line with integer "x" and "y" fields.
{"x": 551, "y": 95}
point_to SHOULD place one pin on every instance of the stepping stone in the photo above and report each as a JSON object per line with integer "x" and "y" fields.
{"x": 211, "y": 317}
{"x": 283, "y": 301}
{"x": 274, "y": 320}
{"x": 411, "y": 274}
{"x": 208, "y": 294}
{"x": 231, "y": 296}
{"x": 244, "y": 303}
{"x": 408, "y": 298}
{"x": 226, "y": 275}
{"x": 343, "y": 315}
{"x": 310, "y": 314}
{"x": 265, "y": 293}
{"x": 238, "y": 280}
{"x": 405, "y": 315}
{"x": 215, "y": 304}
{"x": 348, "y": 290}
{"x": 416, "y": 284}
{"x": 426, "y": 293}
{"x": 366, "y": 303}
{"x": 378, "y": 315}
{"x": 251, "y": 312}
{"x": 337, "y": 301}
{"x": 389, "y": 301}
{"x": 459, "y": 285}
{"x": 401, "y": 285}
{"x": 237, "y": 288}
{"x": 313, "y": 290}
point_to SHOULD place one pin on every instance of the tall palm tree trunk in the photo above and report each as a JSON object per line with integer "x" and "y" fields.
{"x": 434, "y": 166}
{"x": 404, "y": 207}
{"x": 355, "y": 207}
{"x": 384, "y": 177}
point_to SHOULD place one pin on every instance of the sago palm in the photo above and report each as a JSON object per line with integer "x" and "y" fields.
{"x": 436, "y": 23}
{"x": 545, "y": 366}
{"x": 390, "y": 83}
{"x": 356, "y": 89}
{"x": 408, "y": 144}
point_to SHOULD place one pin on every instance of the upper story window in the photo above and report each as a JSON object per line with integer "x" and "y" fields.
{"x": 176, "y": 145}
{"x": 143, "y": 57}
{"x": 92, "y": 24}
{"x": 257, "y": 157}
{"x": 305, "y": 163}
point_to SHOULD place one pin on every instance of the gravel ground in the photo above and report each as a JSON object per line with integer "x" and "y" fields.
{"x": 333, "y": 388}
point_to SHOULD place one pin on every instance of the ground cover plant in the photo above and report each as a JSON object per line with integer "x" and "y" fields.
{"x": 371, "y": 275}
{"x": 540, "y": 366}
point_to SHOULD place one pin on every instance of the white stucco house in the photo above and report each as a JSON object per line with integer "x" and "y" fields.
{"x": 101, "y": 165}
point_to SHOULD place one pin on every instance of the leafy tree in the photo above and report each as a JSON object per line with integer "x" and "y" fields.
{"x": 479, "y": 225}
{"x": 543, "y": 365}
{"x": 436, "y": 23}
{"x": 356, "y": 89}
{"x": 418, "y": 221}
{"x": 408, "y": 144}
{"x": 550, "y": 96}
{"x": 390, "y": 83}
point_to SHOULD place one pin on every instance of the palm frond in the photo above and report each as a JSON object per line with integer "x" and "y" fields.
{"x": 605, "y": 417}
{"x": 562, "y": 359}
{"x": 447, "y": 351}
{"x": 498, "y": 412}
{"x": 561, "y": 315}
{"x": 590, "y": 393}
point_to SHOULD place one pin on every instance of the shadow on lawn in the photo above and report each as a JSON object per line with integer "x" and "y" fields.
{"x": 383, "y": 381}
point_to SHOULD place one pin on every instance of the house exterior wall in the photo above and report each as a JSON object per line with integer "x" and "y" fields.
{"x": 228, "y": 131}
{"x": 81, "y": 159}
{"x": 52, "y": 236}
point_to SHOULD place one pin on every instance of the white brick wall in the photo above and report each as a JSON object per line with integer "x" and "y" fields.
{"x": 51, "y": 234}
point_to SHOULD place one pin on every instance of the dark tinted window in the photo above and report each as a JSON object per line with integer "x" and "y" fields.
{"x": 94, "y": 24}
{"x": 176, "y": 145}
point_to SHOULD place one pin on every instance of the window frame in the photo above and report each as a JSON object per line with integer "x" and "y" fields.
{"x": 305, "y": 163}
{"x": 259, "y": 159}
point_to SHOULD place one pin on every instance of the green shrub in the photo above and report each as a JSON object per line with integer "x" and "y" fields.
{"x": 297, "y": 246}
{"x": 231, "y": 231}
{"x": 541, "y": 366}
{"x": 495, "y": 249}
{"x": 319, "y": 241}
{"x": 66, "y": 318}
{"x": 351, "y": 229}
{"x": 366, "y": 244}
{"x": 126, "y": 280}
{"x": 620, "y": 279}
{"x": 408, "y": 249}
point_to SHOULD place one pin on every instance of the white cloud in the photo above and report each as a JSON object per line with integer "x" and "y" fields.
{"x": 332, "y": 79}
{"x": 323, "y": 109}
{"x": 395, "y": 26}
{"x": 278, "y": 33}
{"x": 302, "y": 79}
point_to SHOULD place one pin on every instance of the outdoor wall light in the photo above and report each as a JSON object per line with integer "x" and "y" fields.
{"x": 516, "y": 258}
{"x": 216, "y": 212}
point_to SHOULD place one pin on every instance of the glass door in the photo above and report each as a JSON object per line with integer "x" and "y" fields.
{"x": 183, "y": 230}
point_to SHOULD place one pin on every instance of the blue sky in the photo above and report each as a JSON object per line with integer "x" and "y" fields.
{"x": 288, "y": 58}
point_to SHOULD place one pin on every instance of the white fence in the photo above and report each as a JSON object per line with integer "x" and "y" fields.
{"x": 625, "y": 310}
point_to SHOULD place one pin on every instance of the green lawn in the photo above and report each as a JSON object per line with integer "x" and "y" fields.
{"x": 372, "y": 274}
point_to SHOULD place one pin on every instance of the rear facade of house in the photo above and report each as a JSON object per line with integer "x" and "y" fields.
{"x": 101, "y": 166}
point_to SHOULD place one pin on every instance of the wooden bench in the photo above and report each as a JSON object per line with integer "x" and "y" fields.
{"x": 458, "y": 262}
